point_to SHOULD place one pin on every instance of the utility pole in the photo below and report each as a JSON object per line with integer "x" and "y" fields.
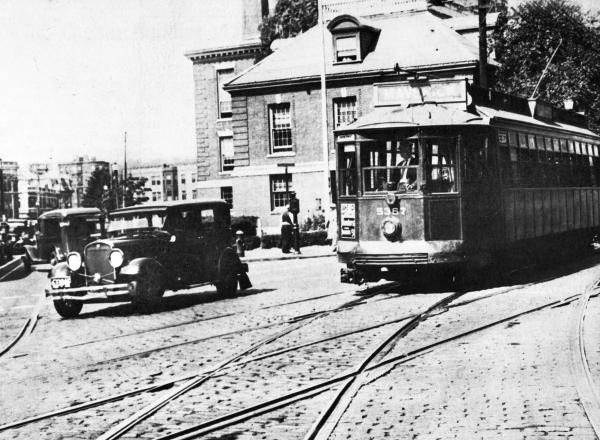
{"x": 324, "y": 132}
{"x": 1, "y": 190}
{"x": 125, "y": 171}
{"x": 482, "y": 6}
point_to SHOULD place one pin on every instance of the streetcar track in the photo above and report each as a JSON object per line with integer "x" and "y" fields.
{"x": 585, "y": 384}
{"x": 399, "y": 359}
{"x": 306, "y": 392}
{"x": 203, "y": 319}
{"x": 25, "y": 330}
{"x": 133, "y": 420}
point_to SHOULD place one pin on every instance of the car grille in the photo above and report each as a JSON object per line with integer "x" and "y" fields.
{"x": 395, "y": 259}
{"x": 97, "y": 261}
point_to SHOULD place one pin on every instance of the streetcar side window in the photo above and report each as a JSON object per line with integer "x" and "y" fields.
{"x": 348, "y": 171}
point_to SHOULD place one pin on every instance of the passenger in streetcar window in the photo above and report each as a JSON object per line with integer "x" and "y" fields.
{"x": 408, "y": 173}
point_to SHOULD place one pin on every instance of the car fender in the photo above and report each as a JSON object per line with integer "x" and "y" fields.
{"x": 59, "y": 270}
{"x": 135, "y": 266}
{"x": 31, "y": 252}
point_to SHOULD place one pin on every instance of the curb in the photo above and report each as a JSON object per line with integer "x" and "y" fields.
{"x": 295, "y": 257}
{"x": 9, "y": 268}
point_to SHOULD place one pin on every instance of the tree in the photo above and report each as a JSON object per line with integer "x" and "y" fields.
{"x": 290, "y": 18}
{"x": 524, "y": 42}
{"x": 97, "y": 193}
{"x": 106, "y": 193}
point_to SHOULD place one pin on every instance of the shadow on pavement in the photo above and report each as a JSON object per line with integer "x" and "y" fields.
{"x": 174, "y": 301}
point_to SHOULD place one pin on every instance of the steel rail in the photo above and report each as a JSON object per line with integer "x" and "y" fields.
{"x": 140, "y": 415}
{"x": 26, "y": 329}
{"x": 586, "y": 386}
{"x": 341, "y": 401}
{"x": 171, "y": 382}
{"x": 307, "y": 392}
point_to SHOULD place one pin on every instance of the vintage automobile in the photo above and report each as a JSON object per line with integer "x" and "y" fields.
{"x": 150, "y": 248}
{"x": 62, "y": 231}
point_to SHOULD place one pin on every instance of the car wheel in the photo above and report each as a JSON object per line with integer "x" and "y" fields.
{"x": 148, "y": 288}
{"x": 227, "y": 284}
{"x": 68, "y": 308}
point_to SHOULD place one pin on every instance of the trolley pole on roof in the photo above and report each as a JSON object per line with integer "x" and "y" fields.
{"x": 324, "y": 132}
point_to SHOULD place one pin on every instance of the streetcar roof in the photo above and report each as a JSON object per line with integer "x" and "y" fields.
{"x": 510, "y": 117}
{"x": 427, "y": 114}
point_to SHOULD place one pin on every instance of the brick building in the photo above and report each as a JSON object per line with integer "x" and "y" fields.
{"x": 276, "y": 104}
{"x": 213, "y": 68}
{"x": 75, "y": 175}
{"x": 9, "y": 190}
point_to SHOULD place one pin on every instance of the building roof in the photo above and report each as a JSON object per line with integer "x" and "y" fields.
{"x": 414, "y": 41}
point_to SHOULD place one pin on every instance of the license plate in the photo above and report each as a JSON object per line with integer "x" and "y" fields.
{"x": 60, "y": 283}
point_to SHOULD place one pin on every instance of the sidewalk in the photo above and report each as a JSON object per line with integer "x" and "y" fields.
{"x": 276, "y": 254}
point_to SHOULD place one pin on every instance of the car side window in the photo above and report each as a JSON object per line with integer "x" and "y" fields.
{"x": 174, "y": 223}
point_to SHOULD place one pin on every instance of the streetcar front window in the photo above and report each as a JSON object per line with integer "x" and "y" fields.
{"x": 391, "y": 165}
{"x": 441, "y": 173}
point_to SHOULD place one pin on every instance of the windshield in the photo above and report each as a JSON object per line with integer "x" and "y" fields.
{"x": 122, "y": 224}
{"x": 390, "y": 165}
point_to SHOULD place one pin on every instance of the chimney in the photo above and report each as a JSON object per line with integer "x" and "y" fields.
{"x": 253, "y": 12}
{"x": 482, "y": 6}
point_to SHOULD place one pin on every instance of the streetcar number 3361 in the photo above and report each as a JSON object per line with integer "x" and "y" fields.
{"x": 392, "y": 211}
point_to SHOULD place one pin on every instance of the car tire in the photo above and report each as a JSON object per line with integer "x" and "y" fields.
{"x": 148, "y": 288}
{"x": 228, "y": 280}
{"x": 67, "y": 308}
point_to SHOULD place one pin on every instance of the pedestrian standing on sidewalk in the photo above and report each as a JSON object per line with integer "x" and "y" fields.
{"x": 286, "y": 230}
{"x": 240, "y": 246}
{"x": 332, "y": 227}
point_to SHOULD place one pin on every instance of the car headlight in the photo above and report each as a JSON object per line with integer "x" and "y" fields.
{"x": 116, "y": 258}
{"x": 391, "y": 228}
{"x": 74, "y": 261}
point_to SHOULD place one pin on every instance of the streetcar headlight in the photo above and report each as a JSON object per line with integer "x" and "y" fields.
{"x": 116, "y": 258}
{"x": 74, "y": 261}
{"x": 391, "y": 228}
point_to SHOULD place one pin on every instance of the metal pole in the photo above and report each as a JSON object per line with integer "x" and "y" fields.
{"x": 482, "y": 9}
{"x": 125, "y": 171}
{"x": 324, "y": 132}
{"x": 1, "y": 190}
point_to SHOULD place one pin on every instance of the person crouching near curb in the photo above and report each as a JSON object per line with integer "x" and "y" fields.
{"x": 286, "y": 230}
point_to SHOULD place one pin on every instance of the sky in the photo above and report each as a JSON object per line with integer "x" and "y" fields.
{"x": 77, "y": 74}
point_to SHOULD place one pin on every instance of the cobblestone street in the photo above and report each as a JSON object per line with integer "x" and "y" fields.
{"x": 494, "y": 363}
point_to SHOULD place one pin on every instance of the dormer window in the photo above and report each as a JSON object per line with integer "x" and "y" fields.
{"x": 346, "y": 48}
{"x": 352, "y": 40}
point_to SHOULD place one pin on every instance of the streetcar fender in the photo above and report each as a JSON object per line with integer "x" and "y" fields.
{"x": 60, "y": 270}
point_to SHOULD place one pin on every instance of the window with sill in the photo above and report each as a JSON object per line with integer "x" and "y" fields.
{"x": 279, "y": 192}
{"x": 346, "y": 48}
{"x": 227, "y": 194}
{"x": 344, "y": 110}
{"x": 224, "y": 98}
{"x": 226, "y": 148}
{"x": 280, "y": 128}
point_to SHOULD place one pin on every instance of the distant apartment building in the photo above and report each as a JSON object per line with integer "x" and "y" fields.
{"x": 41, "y": 189}
{"x": 9, "y": 189}
{"x": 76, "y": 175}
{"x": 167, "y": 182}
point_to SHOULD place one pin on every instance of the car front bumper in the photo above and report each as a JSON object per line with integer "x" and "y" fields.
{"x": 90, "y": 293}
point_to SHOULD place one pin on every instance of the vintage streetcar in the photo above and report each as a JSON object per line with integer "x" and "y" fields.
{"x": 461, "y": 184}
{"x": 62, "y": 231}
{"x": 150, "y": 248}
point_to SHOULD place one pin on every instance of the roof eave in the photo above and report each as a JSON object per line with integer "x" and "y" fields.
{"x": 240, "y": 87}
